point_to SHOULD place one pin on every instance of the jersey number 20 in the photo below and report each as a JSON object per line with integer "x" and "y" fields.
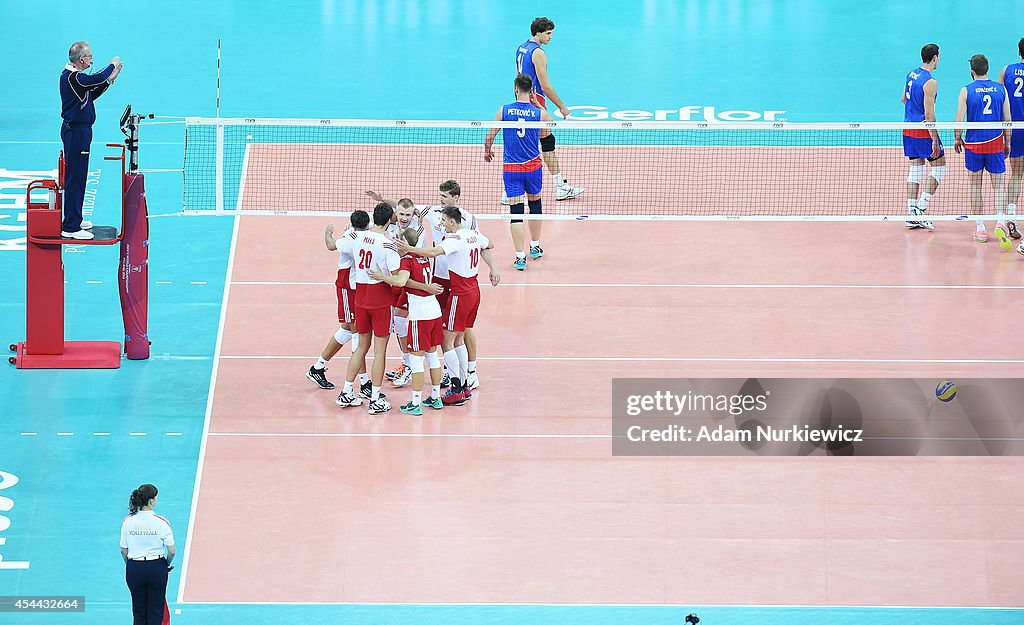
{"x": 365, "y": 259}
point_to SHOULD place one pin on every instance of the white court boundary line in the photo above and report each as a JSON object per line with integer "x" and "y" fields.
{"x": 627, "y": 285}
{"x": 912, "y": 361}
{"x": 513, "y": 435}
{"x": 241, "y": 184}
{"x": 209, "y": 411}
{"x": 674, "y": 607}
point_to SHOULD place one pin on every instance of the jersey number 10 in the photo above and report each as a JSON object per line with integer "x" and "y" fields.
{"x": 474, "y": 257}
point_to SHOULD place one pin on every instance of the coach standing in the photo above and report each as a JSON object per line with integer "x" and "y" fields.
{"x": 147, "y": 546}
{"x": 78, "y": 90}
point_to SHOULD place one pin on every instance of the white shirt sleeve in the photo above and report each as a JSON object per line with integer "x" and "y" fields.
{"x": 391, "y": 259}
{"x": 167, "y": 536}
{"x": 483, "y": 241}
{"x": 124, "y": 535}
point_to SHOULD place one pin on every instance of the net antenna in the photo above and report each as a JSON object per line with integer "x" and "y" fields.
{"x": 130, "y": 127}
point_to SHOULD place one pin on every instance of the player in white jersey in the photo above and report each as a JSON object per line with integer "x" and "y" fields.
{"x": 425, "y": 334}
{"x": 464, "y": 248}
{"x": 405, "y": 218}
{"x": 345, "y": 286}
{"x": 431, "y": 214}
{"x": 373, "y": 250}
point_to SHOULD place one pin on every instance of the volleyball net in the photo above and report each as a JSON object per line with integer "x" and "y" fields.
{"x": 630, "y": 170}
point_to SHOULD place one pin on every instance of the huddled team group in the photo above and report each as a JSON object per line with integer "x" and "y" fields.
{"x": 386, "y": 282}
{"x": 983, "y": 100}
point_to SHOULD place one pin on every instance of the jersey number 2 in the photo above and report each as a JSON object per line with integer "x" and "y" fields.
{"x": 988, "y": 105}
{"x": 365, "y": 258}
{"x": 1019, "y": 91}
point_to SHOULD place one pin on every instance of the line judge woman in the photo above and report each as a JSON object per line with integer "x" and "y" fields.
{"x": 147, "y": 546}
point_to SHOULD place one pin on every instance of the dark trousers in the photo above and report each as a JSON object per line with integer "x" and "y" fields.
{"x": 77, "y": 139}
{"x": 147, "y": 582}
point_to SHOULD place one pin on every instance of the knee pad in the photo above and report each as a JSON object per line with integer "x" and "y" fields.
{"x": 433, "y": 361}
{"x": 535, "y": 207}
{"x": 916, "y": 174}
{"x": 547, "y": 144}
{"x": 939, "y": 173}
{"x": 517, "y": 209}
{"x": 342, "y": 336}
{"x": 416, "y": 363}
{"x": 401, "y": 325}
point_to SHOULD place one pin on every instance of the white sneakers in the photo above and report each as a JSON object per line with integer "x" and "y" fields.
{"x": 81, "y": 235}
{"x": 565, "y": 192}
{"x": 562, "y": 192}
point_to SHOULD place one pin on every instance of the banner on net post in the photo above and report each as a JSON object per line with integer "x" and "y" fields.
{"x": 133, "y": 271}
{"x": 801, "y": 417}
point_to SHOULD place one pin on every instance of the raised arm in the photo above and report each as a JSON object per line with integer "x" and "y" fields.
{"x": 329, "y": 240}
{"x": 432, "y": 252}
{"x": 88, "y": 81}
{"x": 377, "y": 197}
{"x": 540, "y": 63}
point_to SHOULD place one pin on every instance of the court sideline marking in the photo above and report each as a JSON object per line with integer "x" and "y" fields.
{"x": 941, "y": 361}
{"x": 209, "y": 410}
{"x": 695, "y": 286}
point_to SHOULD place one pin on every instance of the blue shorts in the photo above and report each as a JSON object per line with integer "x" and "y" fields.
{"x": 992, "y": 163}
{"x": 519, "y": 182}
{"x": 1017, "y": 143}
{"x": 914, "y": 147}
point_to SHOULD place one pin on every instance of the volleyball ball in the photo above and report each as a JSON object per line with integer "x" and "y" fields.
{"x": 945, "y": 391}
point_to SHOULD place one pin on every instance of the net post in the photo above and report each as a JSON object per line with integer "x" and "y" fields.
{"x": 220, "y": 168}
{"x": 218, "y": 78}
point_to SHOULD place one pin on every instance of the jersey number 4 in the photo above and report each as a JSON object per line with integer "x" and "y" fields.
{"x": 365, "y": 259}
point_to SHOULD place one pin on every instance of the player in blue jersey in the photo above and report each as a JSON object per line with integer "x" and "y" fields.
{"x": 920, "y": 145}
{"x": 533, "y": 61}
{"x": 1012, "y": 78}
{"x": 522, "y": 165}
{"x": 985, "y": 149}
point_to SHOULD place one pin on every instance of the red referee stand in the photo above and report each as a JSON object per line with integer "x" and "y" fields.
{"x": 44, "y": 346}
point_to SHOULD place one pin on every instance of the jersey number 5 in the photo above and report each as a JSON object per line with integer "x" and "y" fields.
{"x": 365, "y": 259}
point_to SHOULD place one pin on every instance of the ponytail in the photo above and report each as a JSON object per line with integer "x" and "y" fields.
{"x": 140, "y": 497}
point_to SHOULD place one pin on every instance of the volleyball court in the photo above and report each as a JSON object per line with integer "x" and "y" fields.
{"x": 515, "y": 497}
